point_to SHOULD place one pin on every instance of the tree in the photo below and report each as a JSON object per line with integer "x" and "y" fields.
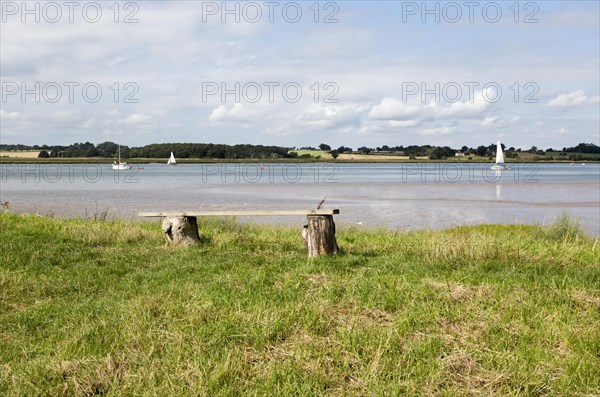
{"x": 584, "y": 148}
{"x": 324, "y": 147}
{"x": 92, "y": 153}
{"x": 107, "y": 149}
{"x": 364, "y": 150}
{"x": 334, "y": 154}
{"x": 481, "y": 150}
{"x": 464, "y": 149}
{"x": 437, "y": 154}
{"x": 43, "y": 155}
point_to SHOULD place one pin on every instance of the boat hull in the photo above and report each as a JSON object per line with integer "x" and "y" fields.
{"x": 122, "y": 166}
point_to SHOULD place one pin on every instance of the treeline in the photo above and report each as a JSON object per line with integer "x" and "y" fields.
{"x": 588, "y": 148}
{"x": 220, "y": 151}
{"x": 209, "y": 150}
{"x": 432, "y": 152}
{"x": 443, "y": 152}
{"x": 161, "y": 150}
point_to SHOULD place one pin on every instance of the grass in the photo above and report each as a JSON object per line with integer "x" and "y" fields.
{"x": 91, "y": 307}
{"x": 323, "y": 154}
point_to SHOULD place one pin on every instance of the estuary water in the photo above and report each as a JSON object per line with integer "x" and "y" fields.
{"x": 404, "y": 196}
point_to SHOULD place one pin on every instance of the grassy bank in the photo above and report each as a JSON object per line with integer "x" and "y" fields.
{"x": 92, "y": 307}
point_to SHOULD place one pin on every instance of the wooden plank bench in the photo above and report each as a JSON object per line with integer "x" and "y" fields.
{"x": 181, "y": 228}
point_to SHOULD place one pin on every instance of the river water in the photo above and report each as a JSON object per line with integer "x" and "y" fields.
{"x": 402, "y": 196}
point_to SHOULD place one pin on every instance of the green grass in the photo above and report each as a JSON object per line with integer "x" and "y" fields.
{"x": 313, "y": 153}
{"x": 90, "y": 307}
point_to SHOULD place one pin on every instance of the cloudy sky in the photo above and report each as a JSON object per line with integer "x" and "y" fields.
{"x": 347, "y": 73}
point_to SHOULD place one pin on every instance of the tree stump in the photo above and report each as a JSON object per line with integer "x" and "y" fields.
{"x": 319, "y": 236}
{"x": 181, "y": 231}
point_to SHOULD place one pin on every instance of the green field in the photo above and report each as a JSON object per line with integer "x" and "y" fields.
{"x": 97, "y": 307}
{"x": 313, "y": 153}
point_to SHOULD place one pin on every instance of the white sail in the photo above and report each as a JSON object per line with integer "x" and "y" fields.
{"x": 499, "y": 154}
{"x": 499, "y": 166}
{"x": 172, "y": 160}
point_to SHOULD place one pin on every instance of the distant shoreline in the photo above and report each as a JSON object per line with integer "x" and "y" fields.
{"x": 94, "y": 160}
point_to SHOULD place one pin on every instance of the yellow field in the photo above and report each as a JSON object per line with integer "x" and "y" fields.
{"x": 20, "y": 153}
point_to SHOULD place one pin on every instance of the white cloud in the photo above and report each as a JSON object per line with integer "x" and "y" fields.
{"x": 468, "y": 108}
{"x": 393, "y": 109}
{"x": 400, "y": 114}
{"x": 320, "y": 117}
{"x": 137, "y": 119}
{"x": 560, "y": 131}
{"x": 442, "y": 130}
{"x": 331, "y": 116}
{"x": 403, "y": 123}
{"x": 89, "y": 123}
{"x": 554, "y": 133}
{"x": 489, "y": 121}
{"x": 514, "y": 119}
{"x": 8, "y": 115}
{"x": 595, "y": 99}
{"x": 568, "y": 100}
{"x": 238, "y": 112}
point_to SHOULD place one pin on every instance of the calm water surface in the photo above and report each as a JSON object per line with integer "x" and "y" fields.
{"x": 398, "y": 196}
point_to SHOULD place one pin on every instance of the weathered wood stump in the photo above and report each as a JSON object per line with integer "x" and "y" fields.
{"x": 181, "y": 228}
{"x": 319, "y": 236}
{"x": 181, "y": 231}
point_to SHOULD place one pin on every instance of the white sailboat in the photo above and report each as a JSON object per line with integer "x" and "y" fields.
{"x": 117, "y": 165}
{"x": 171, "y": 160}
{"x": 499, "y": 166}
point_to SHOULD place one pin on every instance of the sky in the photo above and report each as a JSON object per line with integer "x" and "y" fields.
{"x": 352, "y": 73}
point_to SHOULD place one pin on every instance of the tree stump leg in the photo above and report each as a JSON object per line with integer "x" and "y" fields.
{"x": 181, "y": 231}
{"x": 319, "y": 236}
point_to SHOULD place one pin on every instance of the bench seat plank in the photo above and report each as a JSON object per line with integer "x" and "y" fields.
{"x": 240, "y": 213}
